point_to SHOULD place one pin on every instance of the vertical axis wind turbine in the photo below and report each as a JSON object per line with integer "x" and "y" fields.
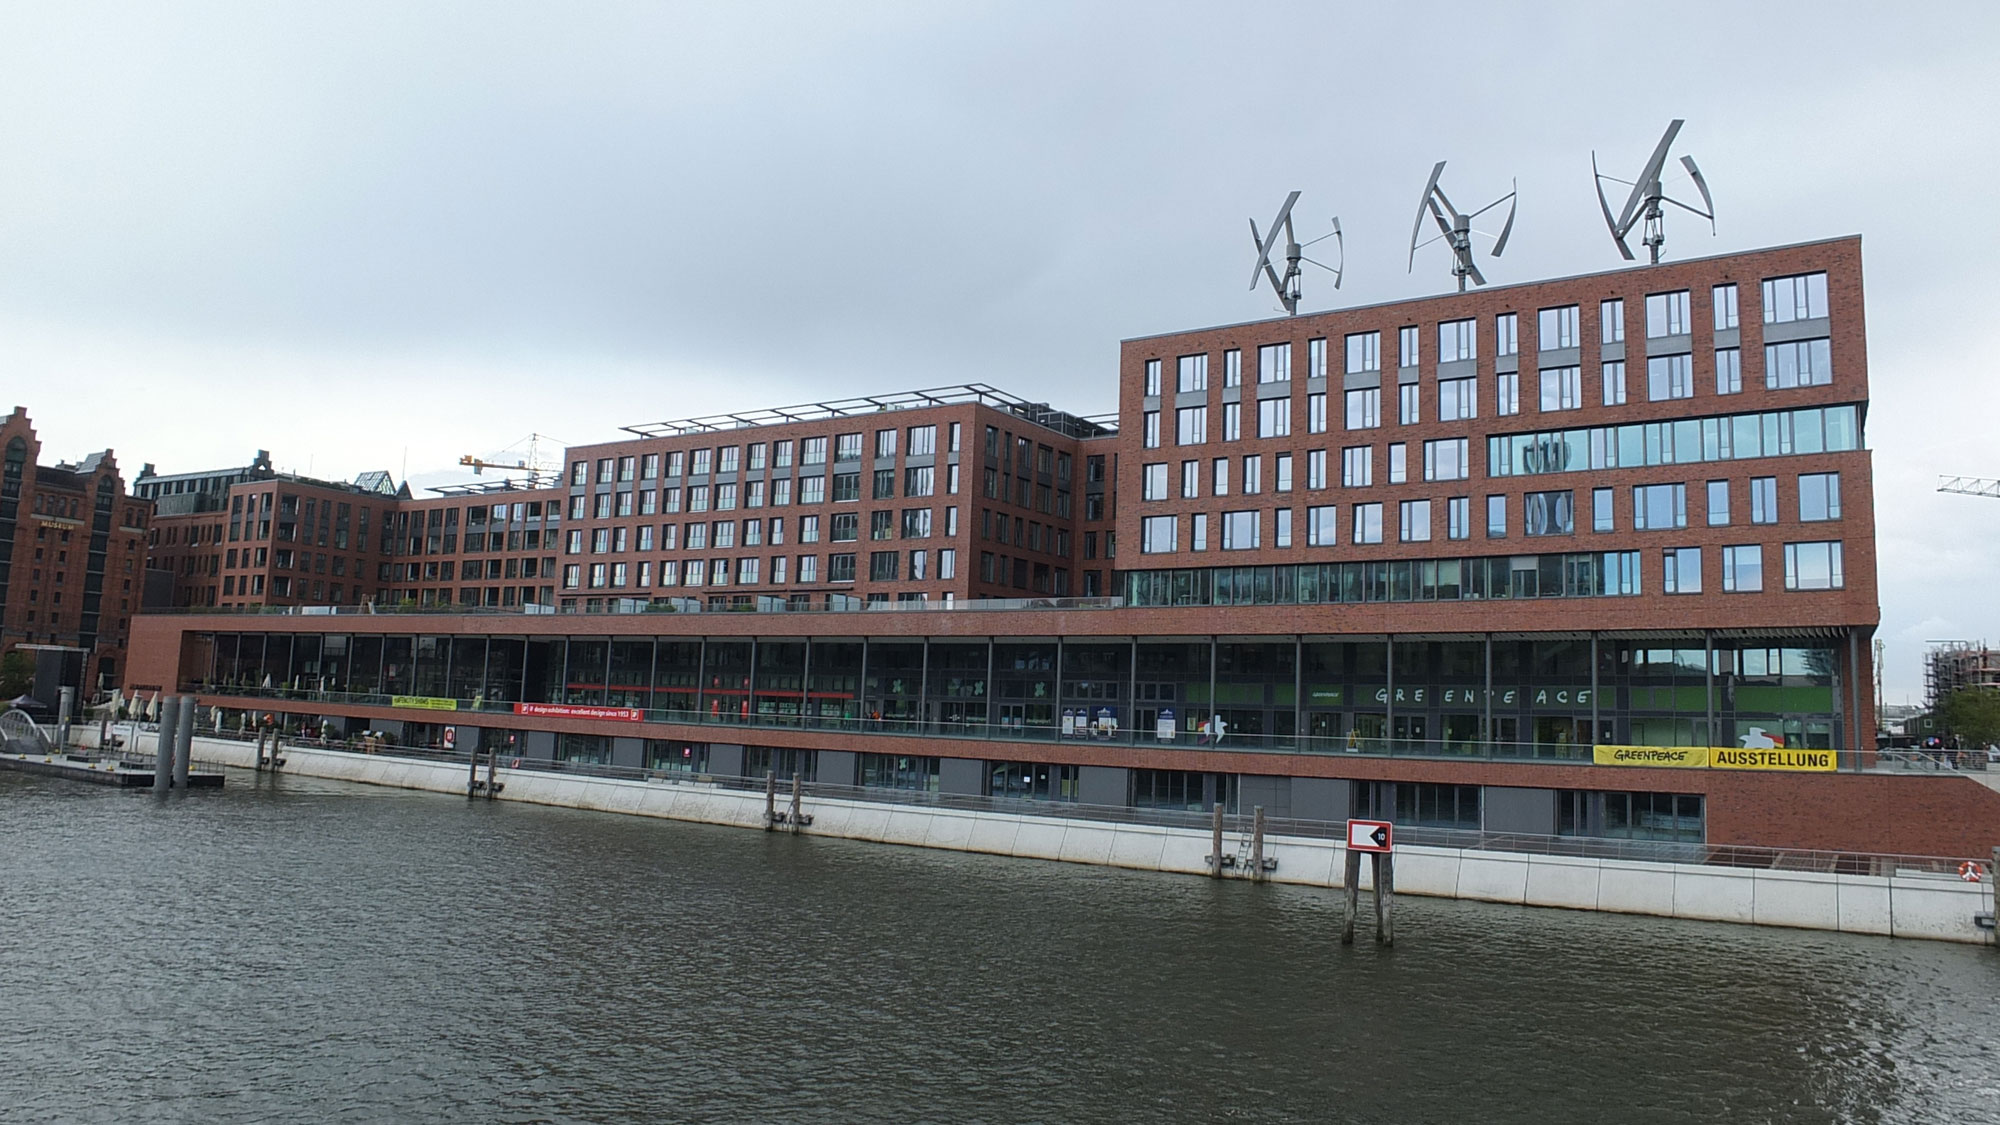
{"x": 1455, "y": 228}
{"x": 1288, "y": 287}
{"x": 1647, "y": 196}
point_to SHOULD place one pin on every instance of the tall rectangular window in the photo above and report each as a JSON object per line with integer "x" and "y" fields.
{"x": 1154, "y": 478}
{"x": 1612, "y": 315}
{"x": 1357, "y": 466}
{"x": 1321, "y": 527}
{"x": 1316, "y": 359}
{"x": 1813, "y": 566}
{"x": 1240, "y": 531}
{"x": 1557, "y": 328}
{"x": 1408, "y": 350}
{"x": 1218, "y": 482}
{"x": 1197, "y": 532}
{"x": 1364, "y": 352}
{"x": 1367, "y": 524}
{"x": 1253, "y": 474}
{"x": 1152, "y": 378}
{"x": 1725, "y": 307}
{"x": 1728, "y": 371}
{"x": 1659, "y": 506}
{"x": 1283, "y": 467}
{"x": 1191, "y": 425}
{"x": 1364, "y": 408}
{"x": 1192, "y": 373}
{"x": 923, "y": 441}
{"x": 1613, "y": 374}
{"x": 1316, "y": 469}
{"x": 1190, "y": 480}
{"x": 1232, "y": 368}
{"x": 1399, "y": 462}
{"x": 1718, "y": 503}
{"x": 1562, "y": 389}
{"x": 1798, "y": 363}
{"x": 1152, "y": 429}
{"x": 1496, "y": 517}
{"x": 1409, "y": 409}
{"x": 1682, "y": 570}
{"x": 1458, "y": 399}
{"x": 1802, "y": 297}
{"x": 1157, "y": 535}
{"x": 1743, "y": 569}
{"x": 1274, "y": 363}
{"x": 1232, "y": 421}
{"x": 1281, "y": 530}
{"x": 1316, "y": 413}
{"x": 1507, "y": 334}
{"x": 1669, "y": 377}
{"x": 1507, "y": 393}
{"x": 1602, "y": 516}
{"x": 1763, "y": 499}
{"x": 1458, "y": 517}
{"x": 1819, "y": 497}
{"x": 1274, "y": 417}
{"x": 1447, "y": 459}
{"x": 1667, "y": 314}
{"x": 1413, "y": 521}
{"x": 1457, "y": 340}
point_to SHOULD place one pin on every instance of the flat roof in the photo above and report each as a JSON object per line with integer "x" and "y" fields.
{"x": 1040, "y": 413}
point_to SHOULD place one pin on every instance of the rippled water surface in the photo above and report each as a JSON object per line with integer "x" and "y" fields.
{"x": 294, "y": 949}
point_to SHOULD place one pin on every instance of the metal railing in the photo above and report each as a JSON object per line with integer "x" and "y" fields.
{"x": 1081, "y": 732}
{"x": 615, "y": 607}
{"x": 1933, "y": 761}
{"x": 1235, "y": 823}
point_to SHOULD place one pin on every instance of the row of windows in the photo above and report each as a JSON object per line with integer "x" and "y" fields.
{"x": 1655, "y": 507}
{"x": 752, "y": 457}
{"x": 841, "y": 527}
{"x": 1684, "y": 441}
{"x": 1798, "y": 363}
{"x": 1668, "y": 315}
{"x": 777, "y": 570}
{"x": 1443, "y": 459}
{"x": 918, "y": 482}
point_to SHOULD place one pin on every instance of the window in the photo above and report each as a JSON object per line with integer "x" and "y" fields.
{"x": 1316, "y": 469}
{"x": 725, "y": 497}
{"x": 1152, "y": 429}
{"x": 1763, "y": 499}
{"x": 1614, "y": 382}
{"x": 1253, "y": 474}
{"x": 1357, "y": 466}
{"x": 1274, "y": 363}
{"x": 1240, "y": 531}
{"x": 1320, "y": 526}
{"x": 920, "y": 480}
{"x": 1399, "y": 463}
{"x": 1152, "y": 378}
{"x": 1681, "y": 570}
{"x": 1364, "y": 408}
{"x": 1232, "y": 421}
{"x": 846, "y": 487}
{"x": 1743, "y": 569}
{"x": 1725, "y": 307}
{"x": 1794, "y": 298}
{"x": 1232, "y": 368}
{"x": 948, "y": 563}
{"x": 1154, "y": 479}
{"x": 724, "y": 534}
{"x": 1192, "y": 374}
{"x": 746, "y": 571}
{"x": 1457, "y": 340}
{"x": 1316, "y": 413}
{"x": 1496, "y": 517}
{"x": 1282, "y": 532}
{"x": 1813, "y": 566}
{"x": 1728, "y": 371}
{"x": 1659, "y": 506}
{"x": 920, "y": 566}
{"x": 1548, "y": 513}
{"x": 1447, "y": 459}
{"x": 727, "y": 459}
{"x": 1667, "y": 314}
{"x": 1562, "y": 389}
{"x": 916, "y": 523}
{"x": 1274, "y": 417}
{"x": 1669, "y": 376}
{"x": 1191, "y": 425}
{"x": 883, "y": 565}
{"x": 1798, "y": 363}
{"x": 839, "y": 568}
{"x": 923, "y": 441}
{"x": 847, "y": 447}
{"x": 701, "y": 462}
{"x": 1819, "y": 497}
{"x": 1557, "y": 328}
{"x": 1409, "y": 404}
{"x": 1367, "y": 523}
{"x": 1507, "y": 334}
{"x": 1190, "y": 480}
{"x": 1413, "y": 521}
{"x": 1218, "y": 484}
{"x": 808, "y": 568}
{"x": 698, "y": 498}
{"x": 812, "y": 451}
{"x": 1364, "y": 352}
{"x": 812, "y": 490}
{"x": 1507, "y": 393}
{"x": 1197, "y": 534}
{"x": 1458, "y": 399}
{"x": 1158, "y": 535}
{"x": 1718, "y": 503}
{"x": 1284, "y": 472}
{"x": 1612, "y": 315}
{"x": 845, "y": 528}
{"x": 1458, "y": 517}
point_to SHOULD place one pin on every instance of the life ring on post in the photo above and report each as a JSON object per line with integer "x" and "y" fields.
{"x": 1969, "y": 871}
{"x": 516, "y": 765}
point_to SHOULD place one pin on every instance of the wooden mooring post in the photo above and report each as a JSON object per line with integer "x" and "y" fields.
{"x": 1375, "y": 837}
{"x": 1351, "y": 880}
{"x": 1257, "y": 843}
{"x": 1215, "y": 843}
{"x": 1385, "y": 898}
{"x": 770, "y": 800}
{"x": 471, "y": 774}
{"x": 794, "y": 820}
{"x": 492, "y": 772}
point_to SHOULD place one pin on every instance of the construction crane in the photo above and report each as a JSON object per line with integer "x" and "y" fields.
{"x": 542, "y": 472}
{"x": 1970, "y": 486}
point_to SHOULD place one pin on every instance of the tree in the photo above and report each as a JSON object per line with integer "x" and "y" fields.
{"x": 1973, "y": 714}
{"x": 17, "y": 674}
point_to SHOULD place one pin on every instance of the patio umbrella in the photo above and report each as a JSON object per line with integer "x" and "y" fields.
{"x": 153, "y": 708}
{"x": 215, "y": 717}
{"x": 267, "y": 681}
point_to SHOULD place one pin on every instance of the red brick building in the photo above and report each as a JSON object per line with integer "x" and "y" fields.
{"x": 72, "y": 556}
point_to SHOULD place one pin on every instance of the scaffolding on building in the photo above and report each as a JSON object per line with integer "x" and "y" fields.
{"x": 1956, "y": 665}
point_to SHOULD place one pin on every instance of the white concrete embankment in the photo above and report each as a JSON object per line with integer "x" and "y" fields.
{"x": 1915, "y": 905}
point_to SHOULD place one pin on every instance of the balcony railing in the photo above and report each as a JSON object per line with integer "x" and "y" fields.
{"x": 627, "y": 606}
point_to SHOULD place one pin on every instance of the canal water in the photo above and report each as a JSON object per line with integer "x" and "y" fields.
{"x": 301, "y": 950}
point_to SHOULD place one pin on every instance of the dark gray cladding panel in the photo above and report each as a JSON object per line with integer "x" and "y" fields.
{"x": 1320, "y": 798}
{"x": 628, "y": 752}
{"x": 725, "y": 759}
{"x": 1531, "y": 811}
{"x": 962, "y": 775}
{"x": 1103, "y": 785}
{"x": 1274, "y": 793}
{"x": 539, "y": 744}
{"x": 838, "y": 767}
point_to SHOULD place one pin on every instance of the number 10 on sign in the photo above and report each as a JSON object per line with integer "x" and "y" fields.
{"x": 1370, "y": 836}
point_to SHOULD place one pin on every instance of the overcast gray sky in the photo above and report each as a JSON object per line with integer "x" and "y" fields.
{"x": 376, "y": 235}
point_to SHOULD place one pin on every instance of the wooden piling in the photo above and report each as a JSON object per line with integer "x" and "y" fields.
{"x": 471, "y": 773}
{"x": 1257, "y": 843}
{"x": 492, "y": 771}
{"x": 1215, "y": 845}
{"x": 797, "y": 789}
{"x": 1385, "y": 898}
{"x": 770, "y": 800}
{"x": 1352, "y": 881}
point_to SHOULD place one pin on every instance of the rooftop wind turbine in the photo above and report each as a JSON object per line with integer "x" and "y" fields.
{"x": 1288, "y": 287}
{"x": 1455, "y": 228}
{"x": 1647, "y": 196}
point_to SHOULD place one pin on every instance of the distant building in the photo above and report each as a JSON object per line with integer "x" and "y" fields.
{"x": 1957, "y": 665}
{"x": 72, "y": 557}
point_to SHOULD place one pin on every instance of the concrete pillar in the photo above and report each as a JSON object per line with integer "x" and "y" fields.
{"x": 184, "y": 741}
{"x": 163, "y": 750}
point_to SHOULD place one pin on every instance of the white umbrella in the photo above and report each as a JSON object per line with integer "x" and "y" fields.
{"x": 117, "y": 702}
{"x": 215, "y": 717}
{"x": 267, "y": 681}
{"x": 153, "y": 708}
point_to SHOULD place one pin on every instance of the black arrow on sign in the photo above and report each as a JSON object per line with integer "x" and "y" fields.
{"x": 1380, "y": 836}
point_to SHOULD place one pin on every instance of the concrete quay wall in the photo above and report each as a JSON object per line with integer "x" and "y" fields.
{"x": 1910, "y": 905}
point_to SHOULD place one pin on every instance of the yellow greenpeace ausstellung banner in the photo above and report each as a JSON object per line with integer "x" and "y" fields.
{"x": 423, "y": 702}
{"x": 1778, "y": 758}
{"x": 1714, "y": 757}
{"x": 1676, "y": 757}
